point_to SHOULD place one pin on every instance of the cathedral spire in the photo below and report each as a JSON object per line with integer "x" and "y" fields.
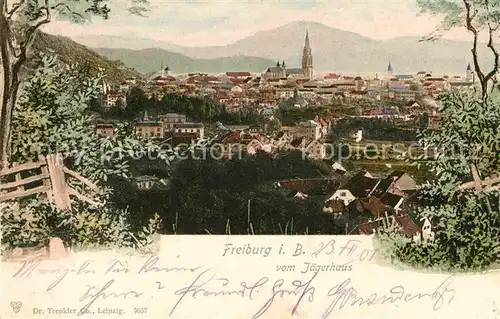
{"x": 307, "y": 60}
{"x": 307, "y": 46}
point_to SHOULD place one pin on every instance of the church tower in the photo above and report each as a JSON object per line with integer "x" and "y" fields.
{"x": 469, "y": 75}
{"x": 389, "y": 69}
{"x": 307, "y": 59}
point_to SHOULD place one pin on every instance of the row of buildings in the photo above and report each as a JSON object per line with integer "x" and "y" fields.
{"x": 237, "y": 90}
{"x": 161, "y": 127}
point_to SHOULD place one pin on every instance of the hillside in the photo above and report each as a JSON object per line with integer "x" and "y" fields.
{"x": 70, "y": 52}
{"x": 151, "y": 60}
{"x": 333, "y": 50}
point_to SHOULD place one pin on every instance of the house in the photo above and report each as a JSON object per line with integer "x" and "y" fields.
{"x": 395, "y": 201}
{"x": 197, "y": 128}
{"x": 461, "y": 85}
{"x": 343, "y": 195}
{"x": 238, "y": 75}
{"x": 111, "y": 100}
{"x": 397, "y": 183}
{"x": 285, "y": 93}
{"x": 149, "y": 129}
{"x": 325, "y": 125}
{"x": 105, "y": 130}
{"x": 404, "y": 224}
{"x": 124, "y": 86}
{"x": 308, "y": 129}
{"x": 316, "y": 150}
{"x": 268, "y": 113}
{"x": 434, "y": 122}
{"x": 171, "y": 119}
{"x": 255, "y": 145}
{"x": 131, "y": 80}
{"x": 370, "y": 206}
{"x": 145, "y": 182}
{"x": 236, "y": 89}
{"x": 338, "y": 168}
{"x": 361, "y": 185}
{"x": 282, "y": 140}
{"x": 332, "y": 77}
{"x": 163, "y": 80}
{"x": 402, "y": 93}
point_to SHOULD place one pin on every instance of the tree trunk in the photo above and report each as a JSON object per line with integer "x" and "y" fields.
{"x": 9, "y": 85}
{"x": 8, "y": 102}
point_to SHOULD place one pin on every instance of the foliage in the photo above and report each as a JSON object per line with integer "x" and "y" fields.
{"x": 291, "y": 115}
{"x": 469, "y": 134}
{"x": 70, "y": 52}
{"x": 373, "y": 129}
{"x": 199, "y": 109}
{"x": 51, "y": 116}
{"x": 32, "y": 222}
{"x": 466, "y": 223}
{"x": 212, "y": 196}
{"x": 476, "y": 16}
{"x": 454, "y": 13}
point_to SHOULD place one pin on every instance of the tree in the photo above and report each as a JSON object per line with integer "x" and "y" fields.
{"x": 20, "y": 22}
{"x": 137, "y": 102}
{"x": 466, "y": 223}
{"x": 476, "y": 16}
{"x": 50, "y": 117}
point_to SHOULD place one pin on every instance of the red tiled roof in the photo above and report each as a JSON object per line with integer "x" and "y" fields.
{"x": 165, "y": 78}
{"x": 405, "y": 222}
{"x": 336, "y": 206}
{"x": 233, "y": 137}
{"x": 409, "y": 228}
{"x": 230, "y": 74}
{"x": 333, "y": 76}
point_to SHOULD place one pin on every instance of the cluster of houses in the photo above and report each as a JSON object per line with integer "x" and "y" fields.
{"x": 164, "y": 126}
{"x": 244, "y": 90}
{"x": 364, "y": 202}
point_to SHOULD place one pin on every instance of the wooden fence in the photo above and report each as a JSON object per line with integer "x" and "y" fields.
{"x": 490, "y": 183}
{"x": 53, "y": 178}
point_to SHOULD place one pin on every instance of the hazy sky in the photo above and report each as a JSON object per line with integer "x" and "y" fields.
{"x": 211, "y": 22}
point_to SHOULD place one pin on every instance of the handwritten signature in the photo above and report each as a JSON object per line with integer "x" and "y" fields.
{"x": 345, "y": 295}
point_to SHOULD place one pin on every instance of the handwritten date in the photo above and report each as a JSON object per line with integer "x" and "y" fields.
{"x": 351, "y": 248}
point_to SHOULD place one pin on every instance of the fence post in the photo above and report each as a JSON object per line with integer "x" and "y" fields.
{"x": 60, "y": 193}
{"x": 46, "y": 181}
{"x": 18, "y": 177}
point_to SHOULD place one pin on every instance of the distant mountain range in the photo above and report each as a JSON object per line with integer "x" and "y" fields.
{"x": 333, "y": 51}
{"x": 151, "y": 60}
{"x": 70, "y": 52}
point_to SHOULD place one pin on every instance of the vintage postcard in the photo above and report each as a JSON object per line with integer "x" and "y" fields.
{"x": 250, "y": 159}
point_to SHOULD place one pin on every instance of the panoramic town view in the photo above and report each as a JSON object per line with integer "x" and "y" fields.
{"x": 301, "y": 127}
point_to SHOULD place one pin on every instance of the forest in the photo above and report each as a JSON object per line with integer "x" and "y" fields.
{"x": 213, "y": 196}
{"x": 198, "y": 109}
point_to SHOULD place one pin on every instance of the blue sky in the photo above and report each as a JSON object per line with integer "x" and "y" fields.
{"x": 211, "y": 22}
